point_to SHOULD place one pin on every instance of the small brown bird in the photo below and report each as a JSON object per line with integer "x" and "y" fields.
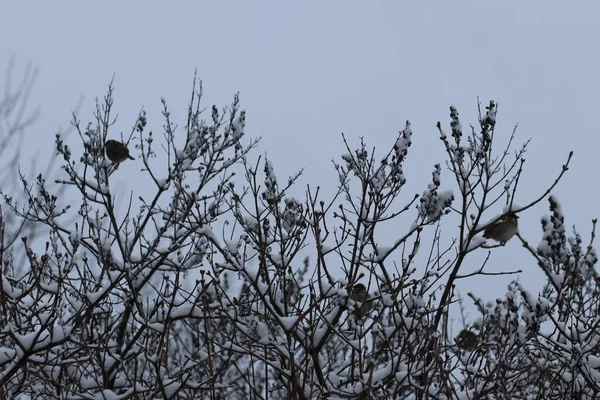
{"x": 502, "y": 230}
{"x": 467, "y": 340}
{"x": 359, "y": 294}
{"x": 116, "y": 151}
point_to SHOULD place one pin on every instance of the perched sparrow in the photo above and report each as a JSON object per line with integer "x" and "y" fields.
{"x": 291, "y": 290}
{"x": 116, "y": 151}
{"x": 467, "y": 340}
{"x": 502, "y": 230}
{"x": 359, "y": 294}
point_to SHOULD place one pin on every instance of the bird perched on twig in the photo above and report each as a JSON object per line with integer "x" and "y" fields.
{"x": 467, "y": 340}
{"x": 116, "y": 151}
{"x": 502, "y": 230}
{"x": 359, "y": 294}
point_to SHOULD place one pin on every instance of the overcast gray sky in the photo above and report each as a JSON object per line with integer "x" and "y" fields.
{"x": 308, "y": 71}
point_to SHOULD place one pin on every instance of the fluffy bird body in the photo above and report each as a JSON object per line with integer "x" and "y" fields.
{"x": 503, "y": 230}
{"x": 359, "y": 294}
{"x": 116, "y": 151}
{"x": 467, "y": 340}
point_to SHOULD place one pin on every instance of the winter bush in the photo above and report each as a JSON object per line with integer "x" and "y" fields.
{"x": 222, "y": 285}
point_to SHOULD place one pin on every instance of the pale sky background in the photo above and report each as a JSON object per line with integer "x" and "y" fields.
{"x": 308, "y": 71}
